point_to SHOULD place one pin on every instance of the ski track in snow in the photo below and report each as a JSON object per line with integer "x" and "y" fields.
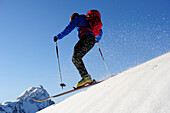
{"x": 142, "y": 89}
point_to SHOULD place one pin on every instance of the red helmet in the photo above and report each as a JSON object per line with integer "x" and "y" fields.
{"x": 93, "y": 13}
{"x": 74, "y": 15}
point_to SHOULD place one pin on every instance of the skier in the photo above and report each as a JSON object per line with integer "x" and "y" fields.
{"x": 89, "y": 32}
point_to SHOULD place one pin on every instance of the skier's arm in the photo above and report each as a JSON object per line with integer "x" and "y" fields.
{"x": 68, "y": 29}
{"x": 98, "y": 37}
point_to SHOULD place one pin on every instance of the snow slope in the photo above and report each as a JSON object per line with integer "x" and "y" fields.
{"x": 142, "y": 89}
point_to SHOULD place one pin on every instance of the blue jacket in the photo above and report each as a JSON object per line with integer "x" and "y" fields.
{"x": 81, "y": 24}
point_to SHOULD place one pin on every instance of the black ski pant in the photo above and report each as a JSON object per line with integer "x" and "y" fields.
{"x": 84, "y": 45}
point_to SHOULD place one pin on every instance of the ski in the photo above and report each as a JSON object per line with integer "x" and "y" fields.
{"x": 74, "y": 89}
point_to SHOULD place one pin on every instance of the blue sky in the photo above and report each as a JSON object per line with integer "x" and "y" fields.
{"x": 135, "y": 31}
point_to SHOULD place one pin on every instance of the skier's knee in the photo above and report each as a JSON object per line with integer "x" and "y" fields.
{"x": 73, "y": 59}
{"x": 76, "y": 59}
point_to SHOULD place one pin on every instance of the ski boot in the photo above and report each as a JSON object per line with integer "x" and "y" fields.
{"x": 85, "y": 80}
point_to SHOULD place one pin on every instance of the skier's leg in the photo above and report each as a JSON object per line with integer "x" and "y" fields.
{"x": 84, "y": 45}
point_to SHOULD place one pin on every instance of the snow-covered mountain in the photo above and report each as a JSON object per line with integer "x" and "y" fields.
{"x": 25, "y": 102}
{"x": 142, "y": 89}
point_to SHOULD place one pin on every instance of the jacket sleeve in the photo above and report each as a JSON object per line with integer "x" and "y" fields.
{"x": 68, "y": 29}
{"x": 98, "y": 37}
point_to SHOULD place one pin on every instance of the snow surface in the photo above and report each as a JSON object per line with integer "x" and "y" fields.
{"x": 142, "y": 89}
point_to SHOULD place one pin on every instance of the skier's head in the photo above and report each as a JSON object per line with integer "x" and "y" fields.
{"x": 74, "y": 15}
{"x": 92, "y": 13}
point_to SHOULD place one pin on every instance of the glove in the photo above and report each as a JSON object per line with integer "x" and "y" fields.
{"x": 55, "y": 39}
{"x": 98, "y": 38}
{"x": 59, "y": 36}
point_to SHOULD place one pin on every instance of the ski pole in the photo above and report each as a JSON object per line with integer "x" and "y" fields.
{"x": 61, "y": 84}
{"x": 103, "y": 59}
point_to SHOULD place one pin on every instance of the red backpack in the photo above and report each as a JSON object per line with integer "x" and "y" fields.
{"x": 94, "y": 19}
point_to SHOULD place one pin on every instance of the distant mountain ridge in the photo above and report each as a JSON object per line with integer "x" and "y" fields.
{"x": 25, "y": 102}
